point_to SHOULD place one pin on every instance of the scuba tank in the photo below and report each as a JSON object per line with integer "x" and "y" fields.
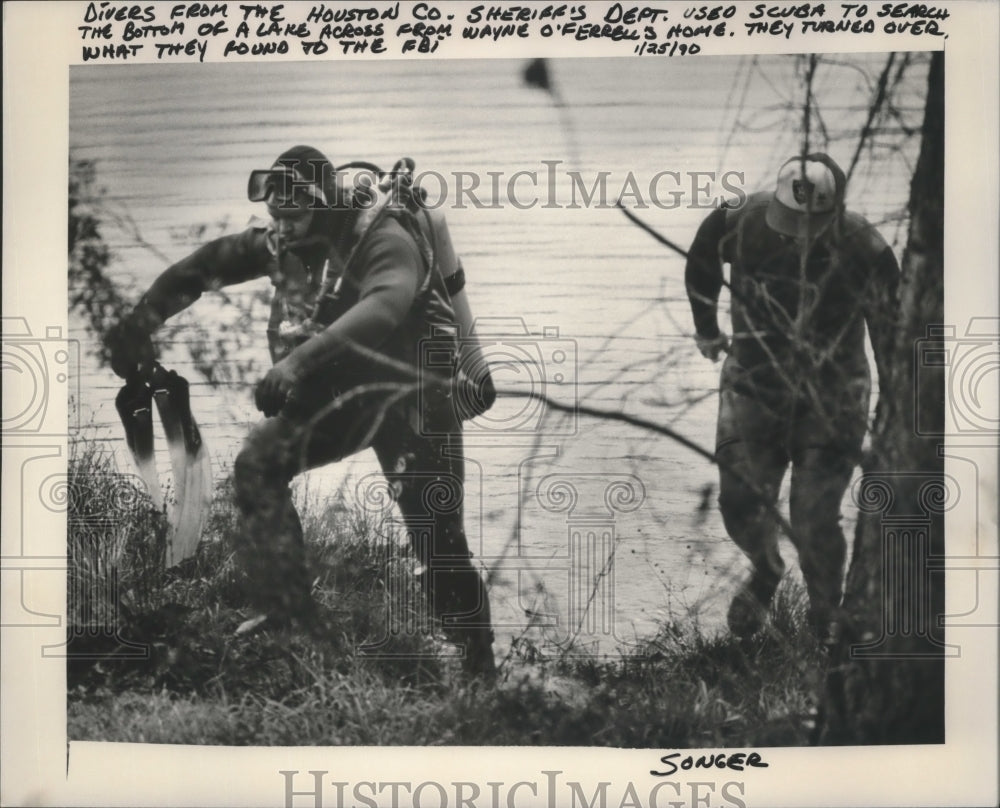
{"x": 375, "y": 191}
{"x": 474, "y": 383}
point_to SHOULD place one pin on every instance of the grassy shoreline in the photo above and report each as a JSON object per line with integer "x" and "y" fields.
{"x": 154, "y": 658}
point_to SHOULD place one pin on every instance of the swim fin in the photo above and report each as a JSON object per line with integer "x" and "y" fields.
{"x": 134, "y": 403}
{"x": 189, "y": 458}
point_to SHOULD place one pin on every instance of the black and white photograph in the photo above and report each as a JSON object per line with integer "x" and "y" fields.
{"x": 515, "y": 426}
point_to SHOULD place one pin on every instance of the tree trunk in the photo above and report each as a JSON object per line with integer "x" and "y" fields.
{"x": 886, "y": 677}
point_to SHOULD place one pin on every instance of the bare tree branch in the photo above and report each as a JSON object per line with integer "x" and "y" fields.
{"x": 873, "y": 110}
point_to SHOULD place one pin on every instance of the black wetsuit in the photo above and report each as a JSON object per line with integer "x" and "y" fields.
{"x": 794, "y": 389}
{"x": 383, "y": 297}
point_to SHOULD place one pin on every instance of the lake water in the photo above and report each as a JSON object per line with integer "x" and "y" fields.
{"x": 571, "y": 293}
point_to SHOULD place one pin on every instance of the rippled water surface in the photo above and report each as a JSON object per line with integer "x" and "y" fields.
{"x": 615, "y": 524}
